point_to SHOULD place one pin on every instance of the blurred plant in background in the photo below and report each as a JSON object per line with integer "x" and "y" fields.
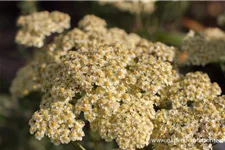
{"x": 28, "y": 7}
{"x": 134, "y": 7}
{"x": 204, "y": 48}
{"x": 221, "y": 20}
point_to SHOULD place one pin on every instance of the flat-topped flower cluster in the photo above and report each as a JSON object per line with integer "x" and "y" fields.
{"x": 116, "y": 80}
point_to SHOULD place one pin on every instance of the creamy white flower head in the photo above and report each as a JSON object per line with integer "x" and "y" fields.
{"x": 35, "y": 27}
{"x": 197, "y": 112}
{"x": 58, "y": 122}
{"x": 193, "y": 87}
{"x": 131, "y": 125}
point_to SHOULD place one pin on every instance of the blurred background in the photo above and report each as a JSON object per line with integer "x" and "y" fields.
{"x": 167, "y": 22}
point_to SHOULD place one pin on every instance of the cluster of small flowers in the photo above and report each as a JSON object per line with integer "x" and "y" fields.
{"x": 35, "y": 27}
{"x": 108, "y": 75}
{"x": 197, "y": 113}
{"x": 57, "y": 121}
{"x": 114, "y": 79}
{"x": 134, "y": 7}
{"x": 131, "y": 125}
{"x": 92, "y": 23}
{"x": 175, "y": 124}
{"x": 158, "y": 50}
{"x": 107, "y": 72}
{"x": 77, "y": 39}
{"x": 204, "y": 48}
{"x": 92, "y": 33}
{"x": 193, "y": 87}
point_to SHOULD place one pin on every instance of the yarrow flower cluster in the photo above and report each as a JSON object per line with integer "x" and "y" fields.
{"x": 35, "y": 27}
{"x": 204, "y": 48}
{"x": 134, "y": 7}
{"x": 193, "y": 87}
{"x": 114, "y": 79}
{"x": 197, "y": 113}
{"x": 91, "y": 33}
{"x": 57, "y": 121}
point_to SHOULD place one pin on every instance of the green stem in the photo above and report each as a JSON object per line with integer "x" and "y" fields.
{"x": 79, "y": 145}
{"x": 168, "y": 38}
